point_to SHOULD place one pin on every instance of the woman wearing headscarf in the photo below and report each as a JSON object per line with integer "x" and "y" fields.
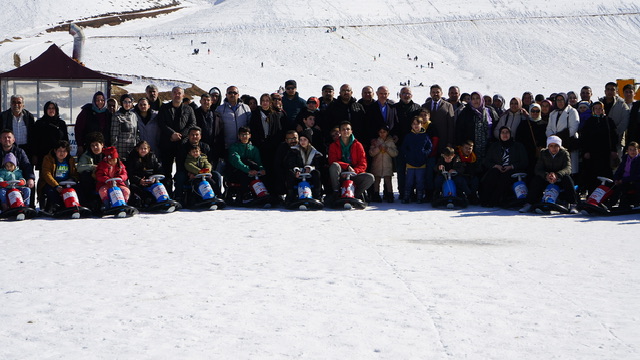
{"x": 504, "y": 158}
{"x": 267, "y": 126}
{"x": 511, "y": 118}
{"x": 546, "y": 106}
{"x": 48, "y": 131}
{"x": 474, "y": 123}
{"x": 498, "y": 104}
{"x": 531, "y": 134}
{"x": 149, "y": 126}
{"x": 564, "y": 122}
{"x": 598, "y": 140}
{"x": 93, "y": 117}
{"x": 124, "y": 127}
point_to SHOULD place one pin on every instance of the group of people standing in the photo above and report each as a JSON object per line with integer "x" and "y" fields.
{"x": 483, "y": 139}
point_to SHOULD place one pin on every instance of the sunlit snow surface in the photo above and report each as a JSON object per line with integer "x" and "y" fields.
{"x": 392, "y": 281}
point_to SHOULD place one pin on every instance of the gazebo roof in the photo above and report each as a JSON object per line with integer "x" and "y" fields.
{"x": 55, "y": 64}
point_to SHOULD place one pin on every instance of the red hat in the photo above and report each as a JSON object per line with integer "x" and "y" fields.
{"x": 110, "y": 152}
{"x": 315, "y": 100}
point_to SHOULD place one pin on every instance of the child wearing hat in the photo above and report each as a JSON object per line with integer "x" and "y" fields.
{"x": 10, "y": 171}
{"x": 553, "y": 167}
{"x": 111, "y": 167}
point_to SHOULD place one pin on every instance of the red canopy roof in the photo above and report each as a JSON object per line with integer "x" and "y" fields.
{"x": 55, "y": 64}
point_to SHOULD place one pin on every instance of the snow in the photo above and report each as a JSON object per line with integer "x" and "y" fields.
{"x": 387, "y": 282}
{"x": 392, "y": 281}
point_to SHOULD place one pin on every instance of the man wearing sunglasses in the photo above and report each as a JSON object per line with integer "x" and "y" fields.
{"x": 234, "y": 115}
{"x": 292, "y": 104}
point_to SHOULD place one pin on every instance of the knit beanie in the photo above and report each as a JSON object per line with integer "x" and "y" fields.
{"x": 554, "y": 140}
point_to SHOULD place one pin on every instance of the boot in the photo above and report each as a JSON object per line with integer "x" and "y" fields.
{"x": 388, "y": 197}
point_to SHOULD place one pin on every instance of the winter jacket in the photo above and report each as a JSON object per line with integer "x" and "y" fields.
{"x": 275, "y": 122}
{"x": 193, "y": 165}
{"x": 150, "y": 129}
{"x": 416, "y": 147}
{"x": 563, "y": 119}
{"x": 475, "y": 126}
{"x": 619, "y": 113}
{"x": 49, "y": 165}
{"x": 469, "y": 165}
{"x": 633, "y": 130}
{"x": 212, "y": 132}
{"x": 239, "y": 153}
{"x": 291, "y": 108}
{"x": 352, "y": 111}
{"x": 89, "y": 121}
{"x": 406, "y": 112}
{"x": 47, "y": 131}
{"x": 517, "y": 155}
{"x": 141, "y": 168}
{"x": 88, "y": 162}
{"x": 174, "y": 120}
{"x": 232, "y": 120}
{"x": 357, "y": 155}
{"x": 297, "y": 157}
{"x": 104, "y": 172}
{"x": 510, "y": 120}
{"x": 599, "y": 137}
{"x": 23, "y": 161}
{"x": 634, "y": 170}
{"x": 559, "y": 164}
{"x": 382, "y": 153}
{"x": 124, "y": 131}
{"x": 6, "y": 175}
{"x": 183, "y": 152}
{"x": 455, "y": 164}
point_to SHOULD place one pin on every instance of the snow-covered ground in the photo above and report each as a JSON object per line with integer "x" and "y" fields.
{"x": 390, "y": 282}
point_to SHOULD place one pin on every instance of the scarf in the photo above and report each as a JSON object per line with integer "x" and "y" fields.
{"x": 346, "y": 149}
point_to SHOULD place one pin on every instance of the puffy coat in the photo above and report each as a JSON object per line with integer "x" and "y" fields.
{"x": 416, "y": 147}
{"x": 233, "y": 120}
{"x": 142, "y": 167}
{"x": 358, "y": 156}
{"x": 104, "y": 172}
{"x": 382, "y": 153}
{"x": 559, "y": 164}
{"x": 239, "y": 152}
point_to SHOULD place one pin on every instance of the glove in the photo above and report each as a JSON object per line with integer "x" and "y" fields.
{"x": 22, "y": 182}
{"x": 204, "y": 171}
{"x": 4, "y": 184}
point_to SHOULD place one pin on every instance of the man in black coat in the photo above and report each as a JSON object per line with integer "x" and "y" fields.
{"x": 176, "y": 118}
{"x": 346, "y": 108}
{"x": 212, "y": 129}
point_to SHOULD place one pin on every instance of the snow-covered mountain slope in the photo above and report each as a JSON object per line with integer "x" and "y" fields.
{"x": 489, "y": 46}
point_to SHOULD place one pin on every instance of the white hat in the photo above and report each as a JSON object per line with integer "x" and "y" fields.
{"x": 554, "y": 140}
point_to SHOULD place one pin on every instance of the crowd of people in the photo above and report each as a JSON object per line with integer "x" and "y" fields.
{"x": 565, "y": 138}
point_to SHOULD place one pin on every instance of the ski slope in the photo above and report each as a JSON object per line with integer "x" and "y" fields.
{"x": 390, "y": 282}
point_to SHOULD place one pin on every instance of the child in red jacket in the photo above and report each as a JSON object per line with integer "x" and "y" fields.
{"x": 111, "y": 167}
